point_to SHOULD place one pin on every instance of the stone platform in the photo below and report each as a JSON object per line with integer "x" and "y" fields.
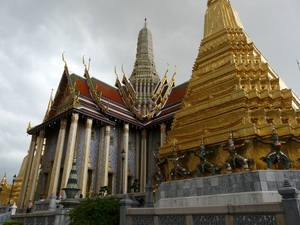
{"x": 251, "y": 187}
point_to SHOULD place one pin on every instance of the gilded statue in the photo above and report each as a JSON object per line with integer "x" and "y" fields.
{"x": 235, "y": 160}
{"x": 275, "y": 155}
{"x": 204, "y": 164}
{"x": 177, "y": 169}
{"x": 159, "y": 175}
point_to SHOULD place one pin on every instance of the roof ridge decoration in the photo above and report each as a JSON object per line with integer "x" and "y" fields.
{"x": 159, "y": 96}
{"x": 66, "y": 96}
{"x": 94, "y": 90}
{"x": 129, "y": 98}
{"x": 70, "y": 96}
{"x": 50, "y": 103}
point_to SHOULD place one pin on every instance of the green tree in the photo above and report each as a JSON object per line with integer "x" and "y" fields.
{"x": 96, "y": 211}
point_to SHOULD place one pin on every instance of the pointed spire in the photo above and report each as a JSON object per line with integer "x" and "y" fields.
{"x": 220, "y": 15}
{"x": 145, "y": 25}
{"x": 3, "y": 181}
{"x": 72, "y": 181}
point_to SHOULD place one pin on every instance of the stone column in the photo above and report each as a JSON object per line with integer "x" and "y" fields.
{"x": 291, "y": 203}
{"x": 125, "y": 162}
{"x": 149, "y": 195}
{"x": 35, "y": 167}
{"x": 69, "y": 152}
{"x": 137, "y": 155}
{"x": 100, "y": 161}
{"x": 57, "y": 158}
{"x": 27, "y": 172}
{"x": 85, "y": 157}
{"x": 125, "y": 203}
{"x": 150, "y": 156}
{"x": 163, "y": 134}
{"x": 106, "y": 156}
{"x": 143, "y": 160}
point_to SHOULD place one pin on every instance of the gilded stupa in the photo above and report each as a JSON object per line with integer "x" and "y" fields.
{"x": 233, "y": 94}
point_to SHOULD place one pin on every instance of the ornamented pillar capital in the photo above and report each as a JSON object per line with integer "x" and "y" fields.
{"x": 63, "y": 124}
{"x": 88, "y": 124}
{"x": 75, "y": 117}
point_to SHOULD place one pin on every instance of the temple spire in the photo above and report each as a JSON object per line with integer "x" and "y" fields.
{"x": 144, "y": 77}
{"x": 220, "y": 15}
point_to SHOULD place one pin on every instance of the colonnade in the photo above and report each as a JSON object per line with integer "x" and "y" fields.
{"x": 61, "y": 167}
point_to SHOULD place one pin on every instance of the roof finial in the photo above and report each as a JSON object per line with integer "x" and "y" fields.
{"x": 63, "y": 59}
{"x": 145, "y": 22}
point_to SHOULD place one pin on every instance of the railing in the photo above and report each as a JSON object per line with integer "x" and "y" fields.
{"x": 4, "y": 217}
{"x": 259, "y": 214}
{"x": 3, "y": 209}
{"x": 36, "y": 218}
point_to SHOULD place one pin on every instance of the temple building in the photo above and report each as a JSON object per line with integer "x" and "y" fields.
{"x": 235, "y": 114}
{"x": 114, "y": 133}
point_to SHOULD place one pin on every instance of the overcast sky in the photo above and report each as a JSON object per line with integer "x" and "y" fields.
{"x": 34, "y": 34}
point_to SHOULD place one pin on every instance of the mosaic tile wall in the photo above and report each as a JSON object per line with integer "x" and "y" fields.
{"x": 131, "y": 153}
{"x": 94, "y": 149}
{"x": 79, "y": 146}
{"x": 100, "y": 155}
{"x": 113, "y": 152}
{"x": 50, "y": 148}
{"x": 65, "y": 143}
{"x": 155, "y": 145}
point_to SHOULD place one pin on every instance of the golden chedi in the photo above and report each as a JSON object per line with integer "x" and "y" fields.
{"x": 234, "y": 96}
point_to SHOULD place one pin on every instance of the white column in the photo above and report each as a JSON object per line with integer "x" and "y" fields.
{"x": 137, "y": 154}
{"x": 27, "y": 172}
{"x": 57, "y": 159}
{"x": 125, "y": 162}
{"x": 106, "y": 154}
{"x": 143, "y": 160}
{"x": 35, "y": 167}
{"x": 163, "y": 134}
{"x": 100, "y": 160}
{"x": 69, "y": 152}
{"x": 85, "y": 157}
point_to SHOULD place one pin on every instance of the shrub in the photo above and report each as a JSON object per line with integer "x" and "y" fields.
{"x": 94, "y": 211}
{"x": 13, "y": 222}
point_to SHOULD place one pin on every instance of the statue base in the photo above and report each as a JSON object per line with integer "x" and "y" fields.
{"x": 251, "y": 187}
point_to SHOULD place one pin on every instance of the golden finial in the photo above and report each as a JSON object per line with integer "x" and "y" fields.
{"x": 84, "y": 63}
{"x": 175, "y": 72}
{"x": 89, "y": 64}
{"x": 123, "y": 70}
{"x": 29, "y": 126}
{"x": 63, "y": 59}
{"x": 167, "y": 69}
{"x": 202, "y": 142}
{"x": 116, "y": 71}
